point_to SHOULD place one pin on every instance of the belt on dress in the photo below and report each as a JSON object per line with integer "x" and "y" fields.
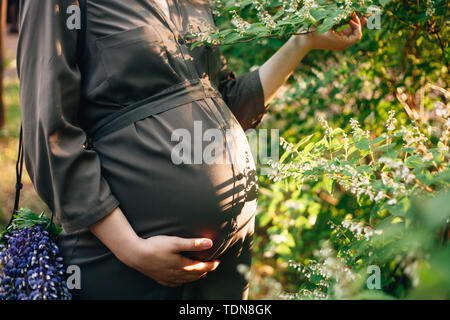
{"x": 181, "y": 93}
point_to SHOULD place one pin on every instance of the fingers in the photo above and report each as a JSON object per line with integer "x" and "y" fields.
{"x": 202, "y": 266}
{"x": 180, "y": 277}
{"x": 363, "y": 21}
{"x": 168, "y": 267}
{"x": 168, "y": 284}
{"x": 355, "y": 27}
{"x": 186, "y": 266}
{"x": 189, "y": 273}
{"x": 355, "y": 24}
{"x": 179, "y": 282}
{"x": 181, "y": 244}
{"x": 190, "y": 278}
{"x": 352, "y": 33}
{"x": 355, "y": 18}
{"x": 347, "y": 31}
{"x": 356, "y": 36}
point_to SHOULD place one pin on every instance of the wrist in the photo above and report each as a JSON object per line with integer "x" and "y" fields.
{"x": 131, "y": 252}
{"x": 303, "y": 42}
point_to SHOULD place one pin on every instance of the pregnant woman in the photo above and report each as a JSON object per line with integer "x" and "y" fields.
{"x": 101, "y": 127}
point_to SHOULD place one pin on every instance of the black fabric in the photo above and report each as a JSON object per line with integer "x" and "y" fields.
{"x": 82, "y": 34}
{"x": 173, "y": 97}
{"x": 19, "y": 162}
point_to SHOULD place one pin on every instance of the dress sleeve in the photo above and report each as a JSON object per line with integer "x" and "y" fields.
{"x": 66, "y": 176}
{"x": 244, "y": 95}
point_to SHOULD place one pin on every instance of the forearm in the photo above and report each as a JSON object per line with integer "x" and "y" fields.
{"x": 275, "y": 71}
{"x": 116, "y": 233}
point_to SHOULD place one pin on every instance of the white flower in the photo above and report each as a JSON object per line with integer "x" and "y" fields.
{"x": 379, "y": 196}
{"x": 430, "y": 9}
{"x": 240, "y": 24}
{"x": 324, "y": 124}
{"x": 392, "y": 121}
{"x": 392, "y": 202}
{"x": 277, "y": 238}
{"x": 355, "y": 125}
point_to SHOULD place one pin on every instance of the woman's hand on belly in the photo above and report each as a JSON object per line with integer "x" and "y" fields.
{"x": 159, "y": 258}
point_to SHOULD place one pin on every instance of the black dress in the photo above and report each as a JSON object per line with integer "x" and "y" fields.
{"x": 138, "y": 90}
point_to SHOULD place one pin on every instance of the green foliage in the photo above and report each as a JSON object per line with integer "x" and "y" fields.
{"x": 389, "y": 176}
{"x": 280, "y": 18}
{"x": 25, "y": 218}
{"x": 401, "y": 67}
{"x": 249, "y": 20}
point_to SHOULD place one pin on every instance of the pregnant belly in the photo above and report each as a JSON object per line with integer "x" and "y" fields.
{"x": 187, "y": 172}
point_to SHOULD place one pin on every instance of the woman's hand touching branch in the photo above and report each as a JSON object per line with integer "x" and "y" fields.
{"x": 337, "y": 40}
{"x": 275, "y": 71}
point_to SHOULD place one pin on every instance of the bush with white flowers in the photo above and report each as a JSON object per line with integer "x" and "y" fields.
{"x": 391, "y": 174}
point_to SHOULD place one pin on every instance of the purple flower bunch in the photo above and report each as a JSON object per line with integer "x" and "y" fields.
{"x": 31, "y": 267}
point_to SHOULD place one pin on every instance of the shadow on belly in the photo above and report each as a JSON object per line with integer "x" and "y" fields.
{"x": 188, "y": 201}
{"x": 159, "y": 197}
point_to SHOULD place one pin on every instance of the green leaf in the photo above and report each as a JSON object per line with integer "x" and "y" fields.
{"x": 318, "y": 13}
{"x": 374, "y": 212}
{"x": 407, "y": 150}
{"x": 195, "y": 44}
{"x": 337, "y": 131}
{"x": 385, "y": 147}
{"x": 232, "y": 38}
{"x": 308, "y": 148}
{"x": 25, "y": 218}
{"x": 437, "y": 210}
{"x": 326, "y": 25}
{"x": 364, "y": 169}
{"x": 442, "y": 177}
{"x": 329, "y": 184}
{"x": 264, "y": 219}
{"x": 425, "y": 178}
{"x": 400, "y": 209}
{"x": 363, "y": 144}
{"x": 377, "y": 140}
{"x": 415, "y": 162}
{"x": 343, "y": 27}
